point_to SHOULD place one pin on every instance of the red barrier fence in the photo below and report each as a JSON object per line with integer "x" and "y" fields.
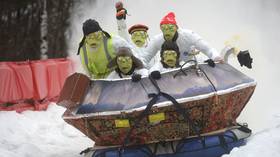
{"x": 32, "y": 84}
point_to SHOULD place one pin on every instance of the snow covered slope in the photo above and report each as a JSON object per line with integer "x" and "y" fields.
{"x": 44, "y": 134}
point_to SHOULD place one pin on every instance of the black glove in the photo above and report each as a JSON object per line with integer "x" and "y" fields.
{"x": 156, "y": 75}
{"x": 136, "y": 77}
{"x": 244, "y": 58}
{"x": 210, "y": 62}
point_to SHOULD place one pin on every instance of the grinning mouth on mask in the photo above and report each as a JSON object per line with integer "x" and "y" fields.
{"x": 170, "y": 62}
{"x": 93, "y": 45}
{"x": 138, "y": 41}
{"x": 167, "y": 36}
{"x": 125, "y": 68}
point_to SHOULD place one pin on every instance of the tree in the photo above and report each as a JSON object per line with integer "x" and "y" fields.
{"x": 26, "y": 25}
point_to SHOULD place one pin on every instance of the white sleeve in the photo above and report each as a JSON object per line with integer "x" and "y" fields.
{"x": 153, "y": 47}
{"x": 120, "y": 42}
{"x": 157, "y": 67}
{"x": 113, "y": 75}
{"x": 143, "y": 72}
{"x": 201, "y": 44}
{"x": 154, "y": 60}
{"x": 204, "y": 47}
{"x": 122, "y": 29}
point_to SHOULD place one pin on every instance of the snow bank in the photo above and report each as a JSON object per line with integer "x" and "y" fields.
{"x": 39, "y": 133}
{"x": 261, "y": 144}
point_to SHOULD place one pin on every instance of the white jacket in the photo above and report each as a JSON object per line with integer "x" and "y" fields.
{"x": 185, "y": 41}
{"x": 114, "y": 75}
{"x": 122, "y": 30}
{"x": 159, "y": 67}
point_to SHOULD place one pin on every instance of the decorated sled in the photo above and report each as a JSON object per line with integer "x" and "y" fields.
{"x": 196, "y": 101}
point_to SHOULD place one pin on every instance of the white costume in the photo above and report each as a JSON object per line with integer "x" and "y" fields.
{"x": 185, "y": 41}
{"x": 159, "y": 67}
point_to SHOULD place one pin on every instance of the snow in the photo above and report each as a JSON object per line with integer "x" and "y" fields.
{"x": 45, "y": 134}
{"x": 261, "y": 144}
{"x": 41, "y": 133}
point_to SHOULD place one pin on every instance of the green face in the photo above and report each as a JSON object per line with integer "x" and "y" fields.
{"x": 170, "y": 58}
{"x": 124, "y": 63}
{"x": 168, "y": 31}
{"x": 94, "y": 40}
{"x": 139, "y": 38}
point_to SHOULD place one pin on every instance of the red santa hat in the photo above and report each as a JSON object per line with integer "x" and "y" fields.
{"x": 169, "y": 19}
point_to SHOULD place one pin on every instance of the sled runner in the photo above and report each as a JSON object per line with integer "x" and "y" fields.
{"x": 212, "y": 146}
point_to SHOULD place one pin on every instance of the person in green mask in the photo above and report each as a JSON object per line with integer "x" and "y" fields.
{"x": 126, "y": 66}
{"x": 137, "y": 34}
{"x": 184, "y": 38}
{"x": 97, "y": 49}
{"x": 169, "y": 59}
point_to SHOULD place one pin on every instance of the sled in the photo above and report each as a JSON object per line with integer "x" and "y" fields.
{"x": 185, "y": 103}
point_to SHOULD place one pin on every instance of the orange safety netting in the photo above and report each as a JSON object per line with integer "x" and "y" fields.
{"x": 32, "y": 82}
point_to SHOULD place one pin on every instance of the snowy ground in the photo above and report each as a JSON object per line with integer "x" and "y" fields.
{"x": 45, "y": 134}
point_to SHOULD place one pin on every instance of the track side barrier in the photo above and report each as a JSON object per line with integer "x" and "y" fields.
{"x": 32, "y": 85}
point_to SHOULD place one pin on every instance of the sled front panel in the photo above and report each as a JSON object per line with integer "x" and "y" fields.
{"x": 211, "y": 100}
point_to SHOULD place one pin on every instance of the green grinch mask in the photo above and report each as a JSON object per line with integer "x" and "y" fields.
{"x": 94, "y": 40}
{"x": 124, "y": 63}
{"x": 170, "y": 58}
{"x": 168, "y": 31}
{"x": 139, "y": 38}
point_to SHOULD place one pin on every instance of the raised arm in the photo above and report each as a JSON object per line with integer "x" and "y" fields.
{"x": 121, "y": 21}
{"x": 202, "y": 45}
{"x": 153, "y": 47}
{"x": 122, "y": 29}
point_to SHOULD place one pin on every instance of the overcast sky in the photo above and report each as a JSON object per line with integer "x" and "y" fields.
{"x": 250, "y": 24}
